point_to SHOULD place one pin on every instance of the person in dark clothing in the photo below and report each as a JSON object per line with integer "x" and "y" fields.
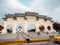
{"x": 28, "y": 39}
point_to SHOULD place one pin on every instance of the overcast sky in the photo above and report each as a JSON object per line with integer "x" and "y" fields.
{"x": 50, "y": 8}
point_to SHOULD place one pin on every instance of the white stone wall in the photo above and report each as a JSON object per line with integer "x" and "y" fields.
{"x": 25, "y": 23}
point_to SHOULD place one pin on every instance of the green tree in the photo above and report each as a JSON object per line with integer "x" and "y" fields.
{"x": 56, "y": 26}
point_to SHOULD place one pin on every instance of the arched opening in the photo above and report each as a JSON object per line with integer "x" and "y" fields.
{"x": 9, "y": 29}
{"x": 19, "y": 28}
{"x": 41, "y": 28}
{"x": 31, "y": 28}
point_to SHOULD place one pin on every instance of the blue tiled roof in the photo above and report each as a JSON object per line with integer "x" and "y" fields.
{"x": 31, "y": 12}
{"x": 44, "y": 17}
{"x": 23, "y": 14}
{"x": 10, "y": 14}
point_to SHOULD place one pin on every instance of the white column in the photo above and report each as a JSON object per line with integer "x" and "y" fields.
{"x": 37, "y": 26}
{"x": 37, "y": 29}
{"x": 25, "y": 28}
{"x": 14, "y": 29}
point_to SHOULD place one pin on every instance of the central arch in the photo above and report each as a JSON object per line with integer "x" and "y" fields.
{"x": 19, "y": 27}
{"x": 31, "y": 27}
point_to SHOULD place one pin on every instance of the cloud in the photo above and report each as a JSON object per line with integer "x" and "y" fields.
{"x": 55, "y": 14}
{"x": 49, "y": 8}
{"x": 12, "y": 6}
{"x": 38, "y": 6}
{"x": 17, "y": 5}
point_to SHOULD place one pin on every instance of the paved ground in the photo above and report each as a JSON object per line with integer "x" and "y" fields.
{"x": 21, "y": 36}
{"x": 42, "y": 43}
{"x": 39, "y": 43}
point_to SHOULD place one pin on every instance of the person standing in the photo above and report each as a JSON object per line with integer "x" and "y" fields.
{"x": 28, "y": 39}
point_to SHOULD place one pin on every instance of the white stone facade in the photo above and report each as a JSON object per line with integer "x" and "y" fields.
{"x": 25, "y": 23}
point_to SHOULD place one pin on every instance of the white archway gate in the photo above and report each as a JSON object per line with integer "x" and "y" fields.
{"x": 25, "y": 20}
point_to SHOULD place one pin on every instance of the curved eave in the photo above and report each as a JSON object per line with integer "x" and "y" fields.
{"x": 9, "y": 15}
{"x": 45, "y": 17}
{"x": 31, "y": 15}
{"x": 51, "y": 20}
{"x": 4, "y": 18}
{"x": 19, "y": 15}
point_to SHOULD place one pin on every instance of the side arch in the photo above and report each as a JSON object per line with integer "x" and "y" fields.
{"x": 31, "y": 27}
{"x": 9, "y": 29}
